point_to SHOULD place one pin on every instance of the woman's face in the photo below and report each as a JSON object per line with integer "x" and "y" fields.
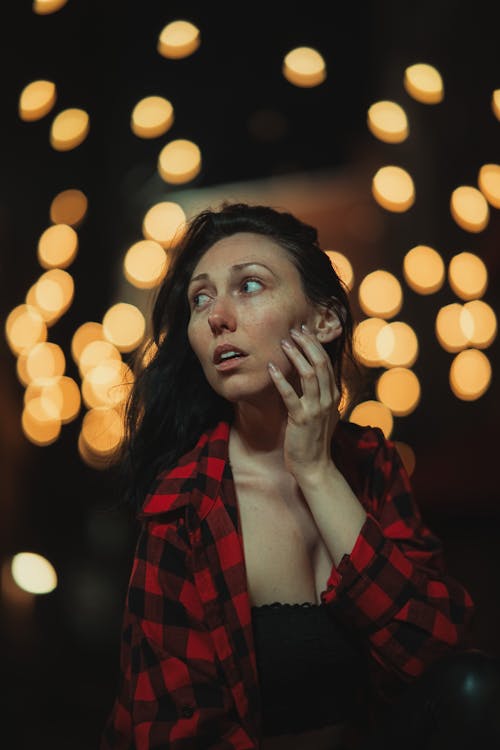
{"x": 252, "y": 308}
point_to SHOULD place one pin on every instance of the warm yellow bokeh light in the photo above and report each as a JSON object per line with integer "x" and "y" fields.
{"x": 380, "y": 294}
{"x": 423, "y": 269}
{"x": 33, "y": 573}
{"x": 69, "y": 129}
{"x": 470, "y": 374}
{"x": 95, "y": 353}
{"x": 374, "y": 414}
{"x": 124, "y": 326}
{"x": 107, "y": 384}
{"x": 179, "y": 161}
{"x": 469, "y": 208}
{"x": 40, "y": 422}
{"x": 388, "y": 121}
{"x": 365, "y": 341}
{"x": 52, "y": 294}
{"x": 488, "y": 181}
{"x": 452, "y": 327}
{"x": 399, "y": 389}
{"x": 164, "y": 222}
{"x": 397, "y": 345}
{"x": 467, "y": 276}
{"x": 393, "y": 189}
{"x": 305, "y": 67}
{"x": 57, "y": 246}
{"x": 145, "y": 264}
{"x": 495, "y": 103}
{"x": 178, "y": 39}
{"x": 407, "y": 455}
{"x": 484, "y": 323}
{"x": 151, "y": 117}
{"x": 60, "y": 393}
{"x": 36, "y": 100}
{"x": 102, "y": 430}
{"x": 45, "y": 360}
{"x": 69, "y": 207}
{"x": 424, "y": 83}
{"x": 24, "y": 328}
{"x": 85, "y": 334}
{"x": 342, "y": 266}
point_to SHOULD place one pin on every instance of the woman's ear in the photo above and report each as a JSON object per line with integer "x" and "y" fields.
{"x": 329, "y": 322}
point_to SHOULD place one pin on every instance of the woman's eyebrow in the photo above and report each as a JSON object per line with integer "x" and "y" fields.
{"x": 236, "y": 267}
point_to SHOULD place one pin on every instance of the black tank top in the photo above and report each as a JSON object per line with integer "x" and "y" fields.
{"x": 312, "y": 671}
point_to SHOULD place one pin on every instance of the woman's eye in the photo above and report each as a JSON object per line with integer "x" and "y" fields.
{"x": 244, "y": 283}
{"x": 251, "y": 281}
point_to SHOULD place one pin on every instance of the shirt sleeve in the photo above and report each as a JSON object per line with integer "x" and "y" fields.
{"x": 171, "y": 692}
{"x": 393, "y": 587}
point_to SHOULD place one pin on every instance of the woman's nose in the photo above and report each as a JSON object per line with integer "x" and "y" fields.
{"x": 222, "y": 315}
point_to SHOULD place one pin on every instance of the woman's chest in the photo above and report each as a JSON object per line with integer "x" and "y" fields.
{"x": 286, "y": 559}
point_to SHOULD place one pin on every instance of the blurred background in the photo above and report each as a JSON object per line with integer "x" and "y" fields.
{"x": 383, "y": 132}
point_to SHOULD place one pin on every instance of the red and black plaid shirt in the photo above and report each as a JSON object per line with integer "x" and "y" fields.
{"x": 188, "y": 676}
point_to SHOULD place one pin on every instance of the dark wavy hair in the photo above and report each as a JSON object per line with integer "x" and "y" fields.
{"x": 171, "y": 403}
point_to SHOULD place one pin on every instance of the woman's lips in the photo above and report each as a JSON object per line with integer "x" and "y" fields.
{"x": 230, "y": 364}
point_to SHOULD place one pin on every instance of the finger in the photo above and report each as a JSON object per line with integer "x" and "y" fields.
{"x": 286, "y": 391}
{"x": 319, "y": 362}
{"x": 308, "y": 376}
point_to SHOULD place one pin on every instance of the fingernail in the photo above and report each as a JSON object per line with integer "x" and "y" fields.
{"x": 272, "y": 367}
{"x": 305, "y": 328}
{"x": 286, "y": 344}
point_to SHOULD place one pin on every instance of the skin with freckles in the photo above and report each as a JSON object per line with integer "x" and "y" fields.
{"x": 283, "y": 420}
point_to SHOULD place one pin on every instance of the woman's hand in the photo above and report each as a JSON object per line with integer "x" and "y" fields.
{"x": 312, "y": 418}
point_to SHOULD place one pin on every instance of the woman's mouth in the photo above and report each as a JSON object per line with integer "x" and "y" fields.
{"x": 231, "y": 363}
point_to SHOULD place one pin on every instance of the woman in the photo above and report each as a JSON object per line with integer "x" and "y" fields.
{"x": 284, "y": 587}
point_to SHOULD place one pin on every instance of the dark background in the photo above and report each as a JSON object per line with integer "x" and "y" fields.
{"x": 60, "y": 652}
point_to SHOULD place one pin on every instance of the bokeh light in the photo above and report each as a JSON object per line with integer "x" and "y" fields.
{"x": 423, "y": 269}
{"x": 40, "y": 422}
{"x": 380, "y": 294}
{"x": 470, "y": 374}
{"x": 399, "y": 389}
{"x": 453, "y": 327}
{"x": 24, "y": 328}
{"x": 57, "y": 246}
{"x": 179, "y": 161}
{"x": 178, "y": 39}
{"x": 393, "y": 189}
{"x": 33, "y": 573}
{"x": 469, "y": 208}
{"x": 374, "y": 414}
{"x": 45, "y": 360}
{"x": 397, "y": 345}
{"x": 489, "y": 183}
{"x": 364, "y": 341}
{"x": 69, "y": 207}
{"x": 388, "y": 122}
{"x": 145, "y": 264}
{"x": 163, "y": 223}
{"x": 102, "y": 430}
{"x": 124, "y": 326}
{"x": 152, "y": 117}
{"x": 343, "y": 267}
{"x": 305, "y": 67}
{"x": 36, "y": 100}
{"x": 85, "y": 334}
{"x": 69, "y": 129}
{"x": 467, "y": 276}
{"x": 60, "y": 393}
{"x": 44, "y": 7}
{"x": 52, "y": 294}
{"x": 484, "y": 328}
{"x": 424, "y": 83}
{"x": 96, "y": 352}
